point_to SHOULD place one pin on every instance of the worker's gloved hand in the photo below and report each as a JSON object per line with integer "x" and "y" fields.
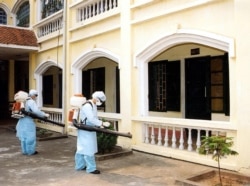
{"x": 106, "y": 124}
{"x": 46, "y": 115}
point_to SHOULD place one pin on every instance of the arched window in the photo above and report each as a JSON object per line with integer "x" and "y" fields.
{"x": 50, "y": 7}
{"x": 3, "y": 17}
{"x": 23, "y": 15}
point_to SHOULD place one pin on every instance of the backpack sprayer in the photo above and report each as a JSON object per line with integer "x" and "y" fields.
{"x": 76, "y": 102}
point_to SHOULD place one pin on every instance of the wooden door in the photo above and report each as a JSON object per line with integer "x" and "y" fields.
{"x": 197, "y": 74}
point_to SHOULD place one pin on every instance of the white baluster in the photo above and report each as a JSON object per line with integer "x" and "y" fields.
{"x": 159, "y": 136}
{"x": 89, "y": 13}
{"x": 106, "y": 5}
{"x": 152, "y": 135}
{"x": 57, "y": 117}
{"x": 198, "y": 142}
{"x": 45, "y": 30}
{"x": 98, "y": 8}
{"x": 52, "y": 29}
{"x": 173, "y": 138}
{"x": 93, "y": 10}
{"x": 181, "y": 147}
{"x": 85, "y": 13}
{"x": 207, "y": 132}
{"x": 49, "y": 28}
{"x": 217, "y": 133}
{"x": 190, "y": 140}
{"x": 102, "y": 6}
{"x": 166, "y": 138}
{"x": 58, "y": 24}
{"x": 146, "y": 134}
{"x": 110, "y": 4}
{"x": 80, "y": 15}
{"x": 115, "y": 3}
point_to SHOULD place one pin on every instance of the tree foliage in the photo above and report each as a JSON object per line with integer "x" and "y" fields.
{"x": 219, "y": 146}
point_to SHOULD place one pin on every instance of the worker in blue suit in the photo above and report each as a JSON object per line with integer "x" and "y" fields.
{"x": 26, "y": 127}
{"x": 87, "y": 140}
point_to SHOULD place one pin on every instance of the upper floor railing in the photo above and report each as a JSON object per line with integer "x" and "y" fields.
{"x": 95, "y": 8}
{"x": 49, "y": 25}
{"x": 84, "y": 11}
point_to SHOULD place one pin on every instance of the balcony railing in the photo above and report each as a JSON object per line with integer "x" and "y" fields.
{"x": 178, "y": 138}
{"x": 170, "y": 137}
{"x": 95, "y": 8}
{"x": 56, "y": 116}
{"x": 49, "y": 25}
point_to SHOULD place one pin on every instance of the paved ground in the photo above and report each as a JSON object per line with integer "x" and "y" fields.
{"x": 54, "y": 166}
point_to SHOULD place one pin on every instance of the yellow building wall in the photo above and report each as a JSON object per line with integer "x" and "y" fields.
{"x": 139, "y": 24}
{"x": 241, "y": 88}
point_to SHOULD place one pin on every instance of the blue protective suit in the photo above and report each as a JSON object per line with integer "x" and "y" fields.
{"x": 26, "y": 128}
{"x": 86, "y": 140}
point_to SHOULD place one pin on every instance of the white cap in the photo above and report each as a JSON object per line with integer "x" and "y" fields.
{"x": 33, "y": 92}
{"x": 99, "y": 95}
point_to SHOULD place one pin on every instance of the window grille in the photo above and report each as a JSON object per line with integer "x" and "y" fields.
{"x": 50, "y": 7}
{"x": 164, "y": 86}
{"x": 3, "y": 17}
{"x": 23, "y": 15}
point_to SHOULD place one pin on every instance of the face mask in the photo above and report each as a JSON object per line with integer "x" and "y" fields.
{"x": 34, "y": 97}
{"x": 98, "y": 103}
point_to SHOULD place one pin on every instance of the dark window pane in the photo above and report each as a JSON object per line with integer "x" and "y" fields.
{"x": 50, "y": 7}
{"x": 48, "y": 90}
{"x": 164, "y": 86}
{"x": 3, "y": 17}
{"x": 220, "y": 84}
{"x": 173, "y": 86}
{"x": 23, "y": 15}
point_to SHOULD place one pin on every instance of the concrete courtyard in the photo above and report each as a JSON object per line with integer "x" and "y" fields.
{"x": 54, "y": 166}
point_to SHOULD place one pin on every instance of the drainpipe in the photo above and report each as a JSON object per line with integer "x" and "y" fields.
{"x": 64, "y": 90}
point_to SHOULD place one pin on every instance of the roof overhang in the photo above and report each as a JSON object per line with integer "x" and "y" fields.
{"x": 15, "y": 52}
{"x": 16, "y": 43}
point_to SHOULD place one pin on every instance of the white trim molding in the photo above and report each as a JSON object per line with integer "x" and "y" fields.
{"x": 86, "y": 58}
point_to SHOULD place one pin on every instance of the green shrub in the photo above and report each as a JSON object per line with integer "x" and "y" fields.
{"x": 106, "y": 142}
